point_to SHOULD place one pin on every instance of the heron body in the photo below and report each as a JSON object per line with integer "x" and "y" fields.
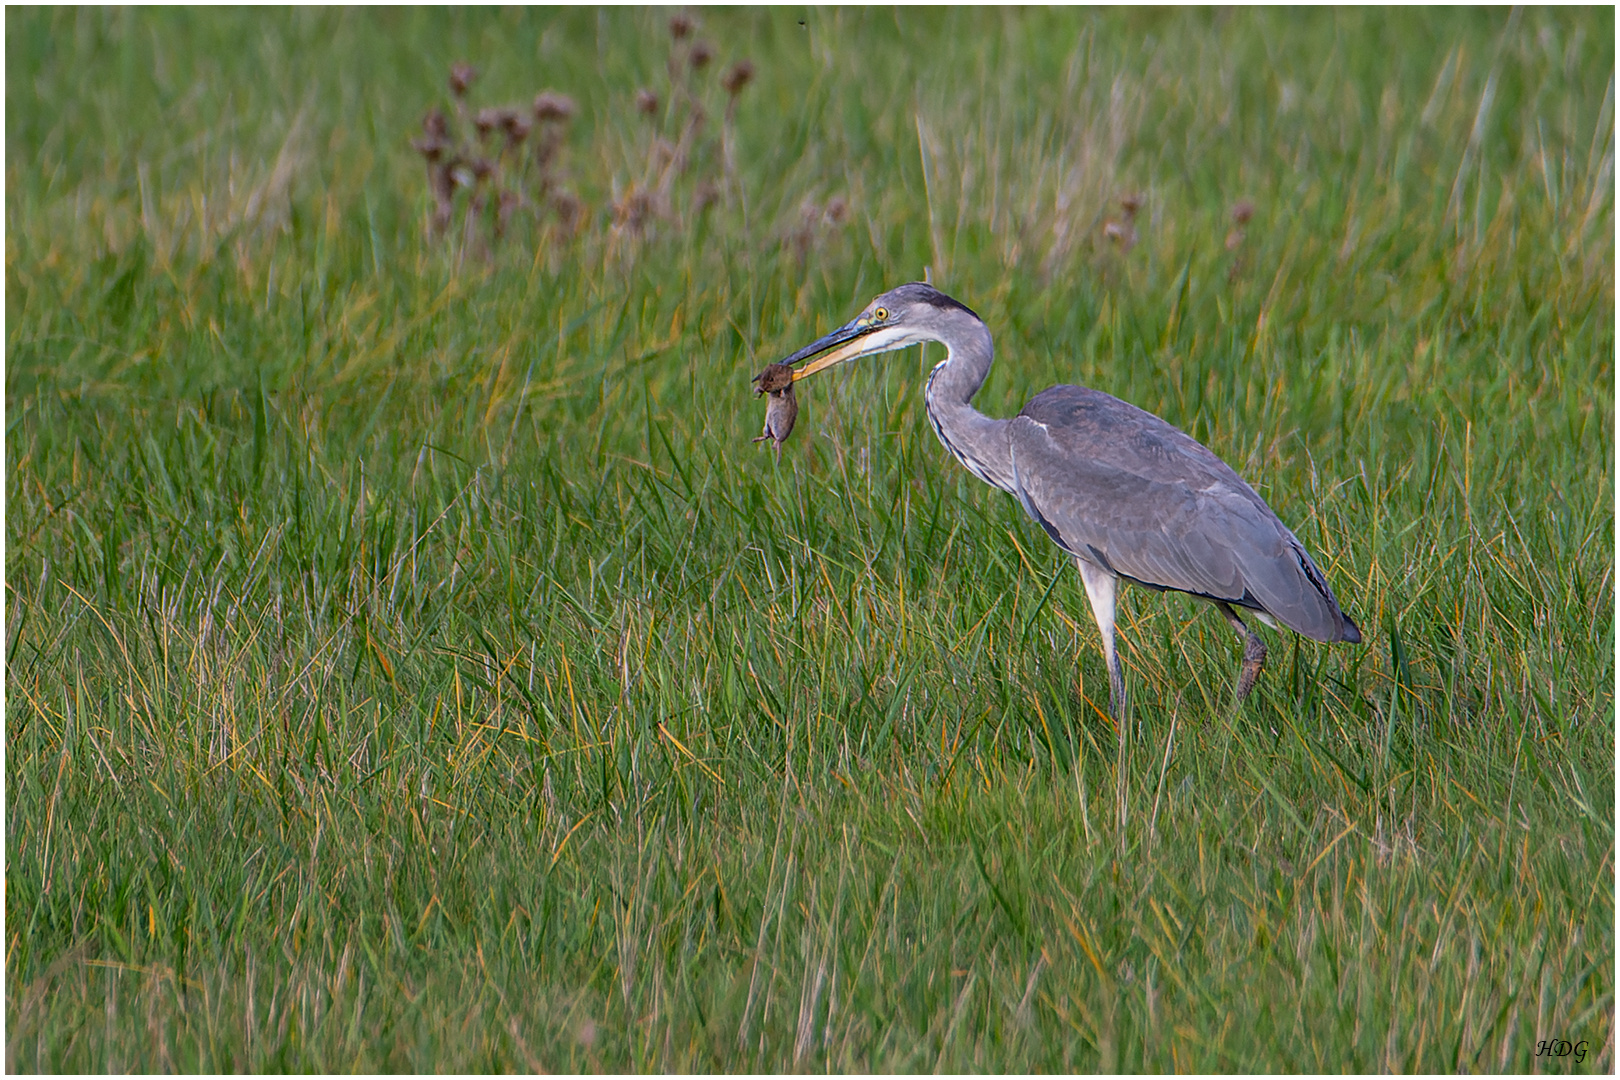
{"x": 1129, "y": 496}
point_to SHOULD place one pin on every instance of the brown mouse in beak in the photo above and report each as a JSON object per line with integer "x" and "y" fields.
{"x": 782, "y": 409}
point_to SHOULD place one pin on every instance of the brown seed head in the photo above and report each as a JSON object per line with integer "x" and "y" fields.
{"x": 1130, "y": 204}
{"x": 462, "y": 75}
{"x": 1122, "y": 233}
{"x": 569, "y": 208}
{"x": 552, "y": 107}
{"x": 681, "y": 26}
{"x": 434, "y": 125}
{"x": 429, "y": 147}
{"x": 435, "y": 138}
{"x": 702, "y": 53}
{"x": 482, "y": 168}
{"x": 837, "y": 210}
{"x": 737, "y": 76}
{"x": 1242, "y": 212}
{"x": 486, "y": 121}
{"x": 632, "y": 211}
{"x": 515, "y": 124}
{"x": 646, "y": 102}
{"x": 706, "y": 195}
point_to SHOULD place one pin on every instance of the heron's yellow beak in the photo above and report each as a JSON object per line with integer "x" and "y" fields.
{"x": 847, "y": 342}
{"x": 849, "y": 351}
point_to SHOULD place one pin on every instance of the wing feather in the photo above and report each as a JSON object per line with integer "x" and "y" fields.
{"x": 1117, "y": 485}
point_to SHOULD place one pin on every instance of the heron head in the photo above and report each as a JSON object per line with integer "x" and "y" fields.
{"x": 908, "y": 315}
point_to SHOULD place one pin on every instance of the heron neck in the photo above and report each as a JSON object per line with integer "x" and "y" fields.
{"x": 978, "y": 441}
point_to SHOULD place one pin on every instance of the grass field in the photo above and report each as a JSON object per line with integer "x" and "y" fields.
{"x": 410, "y": 664}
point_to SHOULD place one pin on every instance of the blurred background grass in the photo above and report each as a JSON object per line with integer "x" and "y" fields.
{"x": 411, "y": 666}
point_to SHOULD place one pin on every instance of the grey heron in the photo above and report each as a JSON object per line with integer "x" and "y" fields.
{"x": 1129, "y": 496}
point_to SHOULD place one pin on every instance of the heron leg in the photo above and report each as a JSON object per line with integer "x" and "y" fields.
{"x": 1102, "y": 589}
{"x": 1254, "y": 651}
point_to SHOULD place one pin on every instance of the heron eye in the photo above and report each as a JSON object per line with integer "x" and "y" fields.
{"x": 881, "y": 314}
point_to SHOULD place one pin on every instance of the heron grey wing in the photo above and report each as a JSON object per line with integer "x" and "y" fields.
{"x": 1141, "y": 529}
{"x": 1117, "y": 485}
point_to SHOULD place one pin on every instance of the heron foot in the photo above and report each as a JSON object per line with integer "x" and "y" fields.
{"x": 1254, "y": 659}
{"x": 1116, "y": 695}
